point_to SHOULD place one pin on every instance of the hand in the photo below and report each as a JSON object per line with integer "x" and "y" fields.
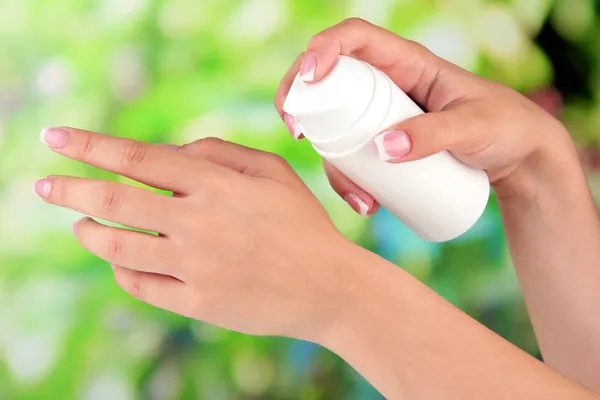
{"x": 483, "y": 124}
{"x": 244, "y": 244}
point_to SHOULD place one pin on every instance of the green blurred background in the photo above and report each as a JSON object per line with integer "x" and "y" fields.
{"x": 172, "y": 71}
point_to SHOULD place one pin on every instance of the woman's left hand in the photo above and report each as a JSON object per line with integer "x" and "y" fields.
{"x": 244, "y": 244}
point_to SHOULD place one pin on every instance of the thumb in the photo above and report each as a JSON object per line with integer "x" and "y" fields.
{"x": 221, "y": 152}
{"x": 245, "y": 160}
{"x": 416, "y": 138}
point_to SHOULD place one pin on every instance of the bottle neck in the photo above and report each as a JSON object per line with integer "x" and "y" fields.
{"x": 368, "y": 125}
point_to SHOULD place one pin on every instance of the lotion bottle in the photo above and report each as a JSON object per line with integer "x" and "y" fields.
{"x": 438, "y": 197}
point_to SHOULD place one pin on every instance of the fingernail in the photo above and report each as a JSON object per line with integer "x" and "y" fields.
{"x": 76, "y": 225}
{"x": 292, "y": 125}
{"x": 357, "y": 204}
{"x": 56, "y": 138}
{"x": 308, "y": 67}
{"x": 112, "y": 266}
{"x": 392, "y": 145}
{"x": 42, "y": 187}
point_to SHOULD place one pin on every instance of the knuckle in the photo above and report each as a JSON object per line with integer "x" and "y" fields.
{"x": 111, "y": 199}
{"x": 333, "y": 34}
{"x": 133, "y": 155}
{"x": 136, "y": 286}
{"x": 212, "y": 141}
{"x": 131, "y": 282}
{"x": 442, "y": 131}
{"x": 418, "y": 47}
{"x": 275, "y": 161}
{"x": 202, "y": 148}
{"x": 116, "y": 247}
{"x": 88, "y": 146}
{"x": 321, "y": 38}
{"x": 354, "y": 22}
{"x": 209, "y": 145}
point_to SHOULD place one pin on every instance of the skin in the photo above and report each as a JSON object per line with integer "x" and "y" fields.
{"x": 244, "y": 245}
{"x": 551, "y": 222}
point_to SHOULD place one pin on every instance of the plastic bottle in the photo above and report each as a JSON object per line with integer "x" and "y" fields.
{"x": 437, "y": 197}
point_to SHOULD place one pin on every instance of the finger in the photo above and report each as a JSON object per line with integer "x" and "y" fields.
{"x": 549, "y": 99}
{"x": 245, "y": 160}
{"x": 360, "y": 201}
{"x": 431, "y": 133}
{"x": 286, "y": 83}
{"x": 134, "y": 250}
{"x": 416, "y": 138}
{"x": 157, "y": 166}
{"x": 160, "y": 291}
{"x": 168, "y": 146}
{"x": 282, "y": 91}
{"x": 410, "y": 65}
{"x": 111, "y": 201}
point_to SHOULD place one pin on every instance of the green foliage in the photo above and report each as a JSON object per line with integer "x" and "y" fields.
{"x": 173, "y": 71}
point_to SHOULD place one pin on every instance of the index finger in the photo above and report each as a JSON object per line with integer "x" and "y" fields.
{"x": 285, "y": 84}
{"x": 152, "y": 165}
{"x": 417, "y": 71}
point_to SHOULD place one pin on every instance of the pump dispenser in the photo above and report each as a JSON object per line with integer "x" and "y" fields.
{"x": 437, "y": 197}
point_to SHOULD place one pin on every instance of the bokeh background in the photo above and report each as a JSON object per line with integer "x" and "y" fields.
{"x": 172, "y": 71}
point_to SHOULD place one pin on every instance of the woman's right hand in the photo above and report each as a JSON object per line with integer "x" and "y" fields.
{"x": 482, "y": 123}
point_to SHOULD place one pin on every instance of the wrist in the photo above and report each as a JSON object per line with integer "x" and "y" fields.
{"x": 552, "y": 167}
{"x": 344, "y": 266}
{"x": 368, "y": 285}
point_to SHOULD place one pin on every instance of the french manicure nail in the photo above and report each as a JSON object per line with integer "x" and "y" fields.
{"x": 357, "y": 204}
{"x": 292, "y": 125}
{"x": 308, "y": 67}
{"x": 393, "y": 145}
{"x": 42, "y": 187}
{"x": 56, "y": 138}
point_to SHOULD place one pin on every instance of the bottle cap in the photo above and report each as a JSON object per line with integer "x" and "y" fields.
{"x": 367, "y": 127}
{"x": 328, "y": 108}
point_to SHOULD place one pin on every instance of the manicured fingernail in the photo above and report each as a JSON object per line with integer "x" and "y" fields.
{"x": 42, "y": 187}
{"x": 357, "y": 204}
{"x": 293, "y": 126}
{"x": 112, "y": 266}
{"x": 392, "y": 145}
{"x": 308, "y": 67}
{"x": 56, "y": 138}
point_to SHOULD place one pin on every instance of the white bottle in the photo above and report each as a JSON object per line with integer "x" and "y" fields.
{"x": 438, "y": 197}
